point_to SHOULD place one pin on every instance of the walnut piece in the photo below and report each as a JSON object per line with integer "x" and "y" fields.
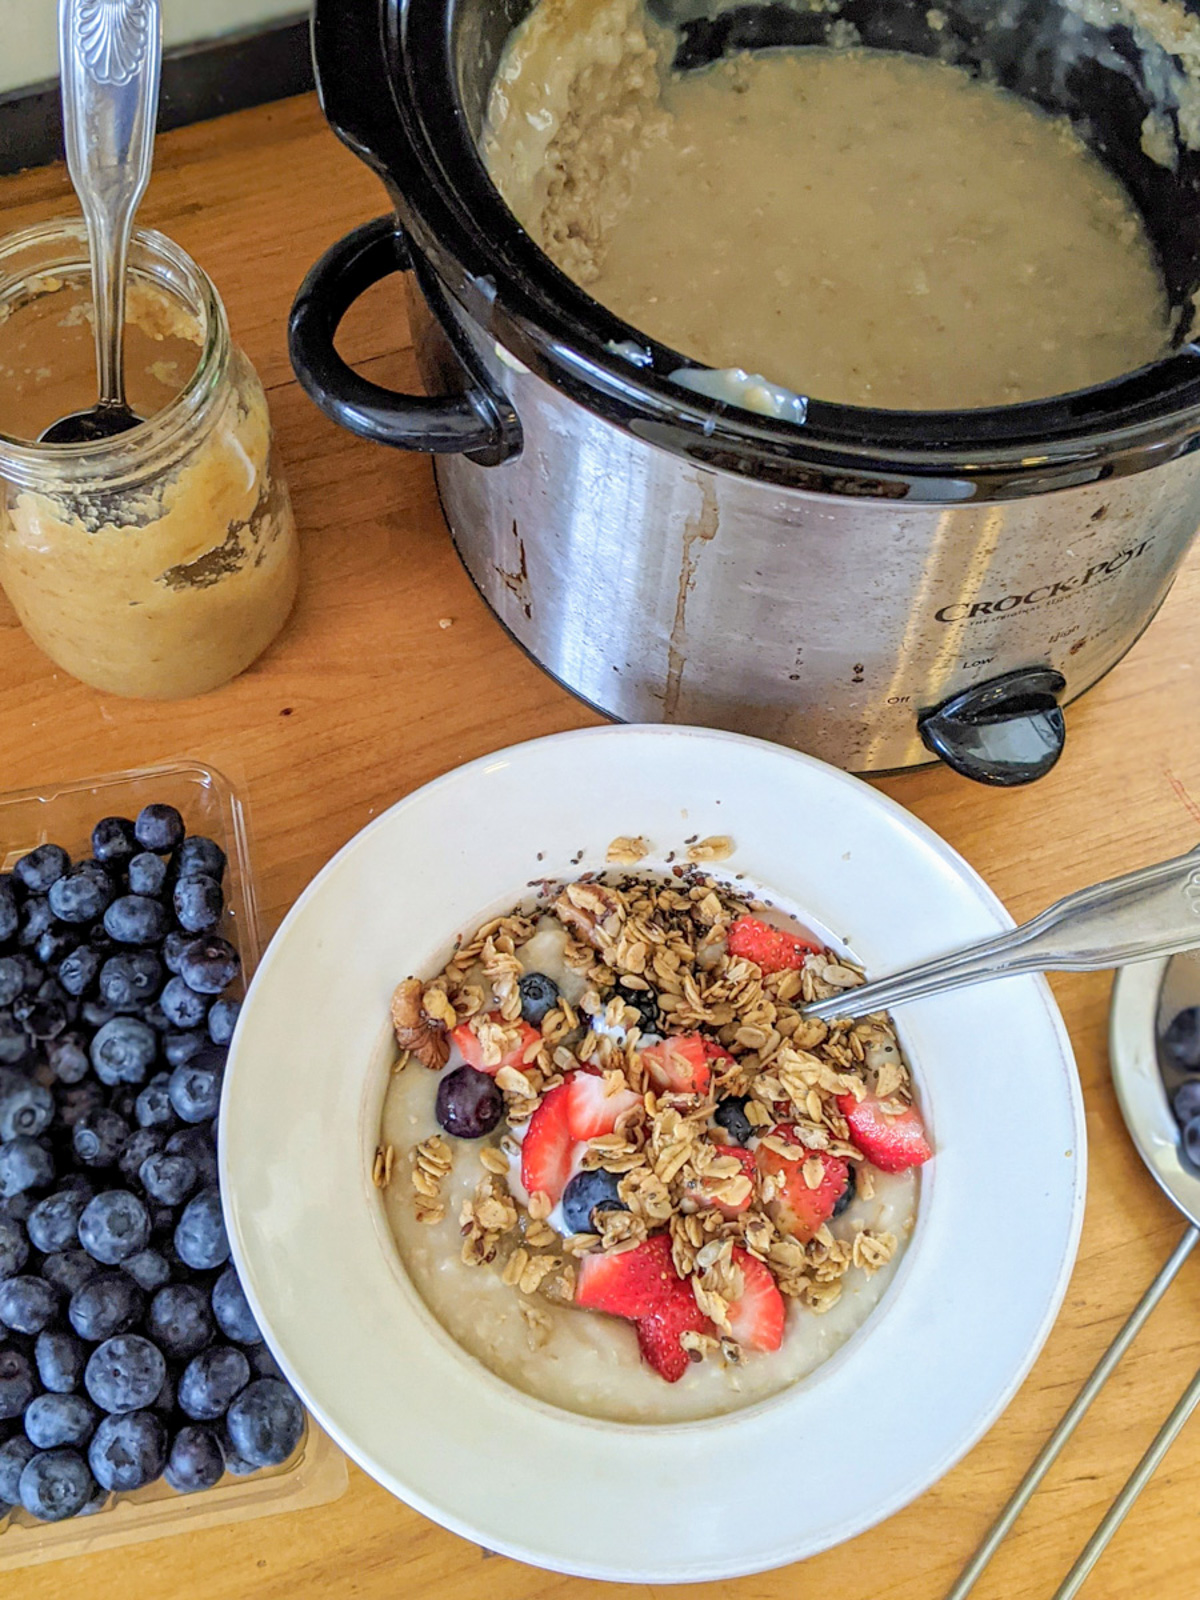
{"x": 420, "y": 1034}
{"x": 590, "y": 910}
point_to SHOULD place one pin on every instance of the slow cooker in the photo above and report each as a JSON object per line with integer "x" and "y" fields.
{"x": 868, "y": 586}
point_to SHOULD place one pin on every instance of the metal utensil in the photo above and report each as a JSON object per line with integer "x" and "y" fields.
{"x": 111, "y": 56}
{"x": 1152, "y": 912}
{"x": 1141, "y": 996}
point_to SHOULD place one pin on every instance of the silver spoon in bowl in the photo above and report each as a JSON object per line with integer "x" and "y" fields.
{"x": 1152, "y": 912}
{"x": 111, "y": 58}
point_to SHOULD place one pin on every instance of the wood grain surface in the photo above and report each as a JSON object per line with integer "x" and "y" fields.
{"x": 366, "y": 696}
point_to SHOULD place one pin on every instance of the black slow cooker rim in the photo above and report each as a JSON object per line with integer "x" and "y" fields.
{"x": 505, "y": 282}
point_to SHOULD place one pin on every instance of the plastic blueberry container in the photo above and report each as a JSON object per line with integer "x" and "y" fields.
{"x": 316, "y": 1473}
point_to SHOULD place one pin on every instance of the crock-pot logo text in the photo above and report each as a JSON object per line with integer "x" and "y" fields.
{"x": 968, "y": 610}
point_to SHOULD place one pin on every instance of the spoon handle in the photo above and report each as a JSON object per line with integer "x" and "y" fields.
{"x": 1152, "y": 912}
{"x": 111, "y": 54}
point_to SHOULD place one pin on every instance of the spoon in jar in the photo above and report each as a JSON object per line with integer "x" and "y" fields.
{"x": 1152, "y": 912}
{"x": 111, "y": 58}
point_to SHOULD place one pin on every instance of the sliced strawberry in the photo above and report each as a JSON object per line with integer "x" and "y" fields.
{"x": 546, "y": 1147}
{"x": 797, "y": 1209}
{"x": 591, "y": 1110}
{"x": 631, "y": 1283}
{"x": 471, "y": 1047}
{"x": 679, "y": 1064}
{"x": 658, "y": 1333}
{"x": 717, "y": 1052}
{"x": 769, "y": 948}
{"x": 705, "y": 1195}
{"x": 757, "y": 1319}
{"x": 892, "y": 1143}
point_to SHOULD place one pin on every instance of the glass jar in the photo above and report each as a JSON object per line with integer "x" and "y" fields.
{"x": 160, "y": 563}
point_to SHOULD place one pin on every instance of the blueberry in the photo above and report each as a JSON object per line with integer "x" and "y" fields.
{"x": 168, "y": 1179}
{"x": 200, "y": 1239}
{"x": 137, "y": 1150}
{"x": 264, "y": 1363}
{"x": 16, "y": 1207}
{"x": 68, "y": 1058}
{"x": 99, "y": 1136}
{"x": 54, "y": 1222}
{"x": 55, "y": 945}
{"x": 78, "y": 970}
{"x": 179, "y": 1320}
{"x": 130, "y": 979}
{"x": 173, "y": 947}
{"x": 584, "y": 1193}
{"x": 179, "y": 1048}
{"x": 209, "y": 965}
{"x": 123, "y": 1051}
{"x": 731, "y": 1115}
{"x": 26, "y": 1108}
{"x": 199, "y": 855}
{"x": 1191, "y": 1142}
{"x": 198, "y": 1145}
{"x": 110, "y": 1303}
{"x": 69, "y": 1270}
{"x": 1181, "y": 1040}
{"x": 81, "y": 896}
{"x": 76, "y": 1100}
{"x": 234, "y": 1463}
{"x": 196, "y": 1460}
{"x": 155, "y": 1017}
{"x": 848, "y": 1193}
{"x": 57, "y": 1419}
{"x": 24, "y": 1164}
{"x": 17, "y": 1385}
{"x": 37, "y": 916}
{"x": 44, "y": 1015}
{"x": 14, "y": 1248}
{"x": 158, "y": 827}
{"x": 232, "y": 1310}
{"x": 42, "y": 867}
{"x": 195, "y": 1091}
{"x": 125, "y": 1373}
{"x": 14, "y": 1454}
{"x": 56, "y": 1484}
{"x": 147, "y": 874}
{"x": 95, "y": 1013}
{"x": 469, "y": 1104}
{"x": 114, "y": 1226}
{"x": 12, "y": 978}
{"x": 149, "y": 1270}
{"x": 222, "y": 1020}
{"x": 198, "y": 903}
{"x": 10, "y": 915}
{"x": 128, "y": 1451}
{"x": 1186, "y": 1101}
{"x": 154, "y": 1108}
{"x": 60, "y": 1358}
{"x": 113, "y": 839}
{"x": 539, "y": 995}
{"x": 27, "y": 1305}
{"x": 265, "y": 1422}
{"x": 14, "y": 1041}
{"x": 183, "y": 1007}
{"x": 210, "y": 1381}
{"x": 136, "y": 919}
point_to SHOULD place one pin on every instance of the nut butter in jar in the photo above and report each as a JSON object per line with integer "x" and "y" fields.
{"x": 160, "y": 563}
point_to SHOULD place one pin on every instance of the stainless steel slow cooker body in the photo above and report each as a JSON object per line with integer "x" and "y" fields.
{"x": 867, "y": 586}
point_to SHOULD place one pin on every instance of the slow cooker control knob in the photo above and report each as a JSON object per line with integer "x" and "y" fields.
{"x": 1007, "y": 731}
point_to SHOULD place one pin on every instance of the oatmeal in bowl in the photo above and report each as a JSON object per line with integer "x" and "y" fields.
{"x": 515, "y": 1413}
{"x": 624, "y": 1170}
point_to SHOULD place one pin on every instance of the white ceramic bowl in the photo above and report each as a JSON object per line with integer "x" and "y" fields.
{"x": 926, "y": 1375}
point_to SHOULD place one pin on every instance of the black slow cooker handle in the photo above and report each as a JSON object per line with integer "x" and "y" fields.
{"x": 479, "y": 423}
{"x": 1005, "y": 732}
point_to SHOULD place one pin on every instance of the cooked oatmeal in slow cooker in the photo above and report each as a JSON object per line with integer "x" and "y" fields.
{"x": 624, "y": 1171}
